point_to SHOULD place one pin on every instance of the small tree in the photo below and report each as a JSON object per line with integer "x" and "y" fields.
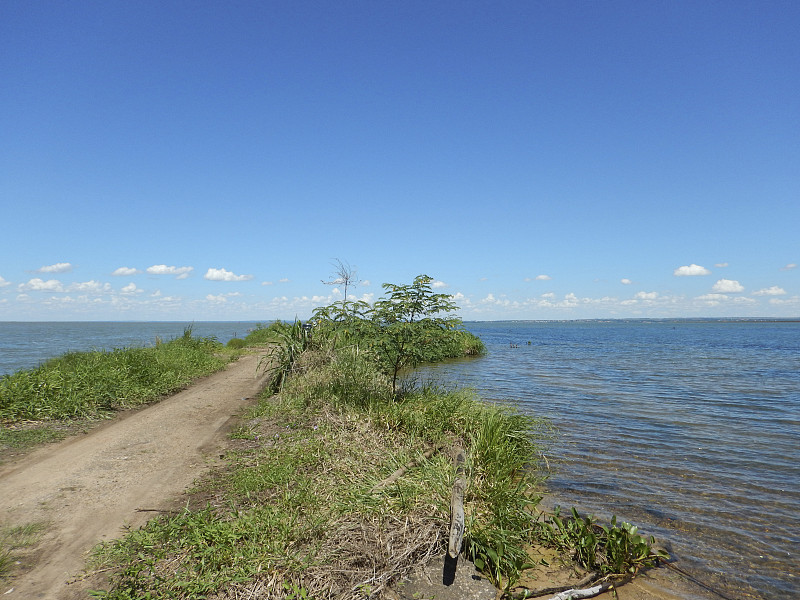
{"x": 409, "y": 319}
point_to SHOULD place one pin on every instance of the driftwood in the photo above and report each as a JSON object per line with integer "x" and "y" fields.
{"x": 521, "y": 593}
{"x": 584, "y": 593}
{"x": 403, "y": 470}
{"x": 457, "y": 504}
{"x": 575, "y": 591}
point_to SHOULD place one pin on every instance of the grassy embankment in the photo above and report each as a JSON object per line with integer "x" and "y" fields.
{"x": 340, "y": 482}
{"x": 35, "y": 404}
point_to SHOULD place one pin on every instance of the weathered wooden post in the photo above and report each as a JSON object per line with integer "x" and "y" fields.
{"x": 457, "y": 504}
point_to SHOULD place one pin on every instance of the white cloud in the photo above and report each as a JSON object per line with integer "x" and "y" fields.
{"x": 625, "y": 281}
{"x": 4, "y": 283}
{"x": 712, "y": 299}
{"x": 539, "y": 278}
{"x": 131, "y": 289}
{"x": 727, "y": 286}
{"x": 794, "y": 301}
{"x": 366, "y": 283}
{"x": 789, "y": 267}
{"x": 179, "y": 272}
{"x": 772, "y": 291}
{"x": 267, "y": 283}
{"x": 93, "y": 287}
{"x": 283, "y": 280}
{"x": 438, "y": 284}
{"x": 690, "y": 270}
{"x": 646, "y": 295}
{"x": 220, "y": 298}
{"x": 225, "y": 275}
{"x": 126, "y": 272}
{"x": 39, "y": 285}
{"x": 721, "y": 265}
{"x": 56, "y": 268}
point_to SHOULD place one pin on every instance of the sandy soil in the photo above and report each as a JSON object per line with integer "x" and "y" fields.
{"x": 89, "y": 488}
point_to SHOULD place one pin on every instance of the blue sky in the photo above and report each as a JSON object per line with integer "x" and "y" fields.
{"x": 541, "y": 160}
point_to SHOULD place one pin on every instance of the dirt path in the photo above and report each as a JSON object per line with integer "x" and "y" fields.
{"x": 88, "y": 488}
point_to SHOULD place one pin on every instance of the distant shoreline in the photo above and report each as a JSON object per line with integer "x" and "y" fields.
{"x": 591, "y": 320}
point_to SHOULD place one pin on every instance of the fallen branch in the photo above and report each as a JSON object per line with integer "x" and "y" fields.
{"x": 575, "y": 594}
{"x": 522, "y": 592}
{"x": 403, "y": 470}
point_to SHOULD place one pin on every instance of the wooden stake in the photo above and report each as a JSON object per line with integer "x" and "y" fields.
{"x": 457, "y": 504}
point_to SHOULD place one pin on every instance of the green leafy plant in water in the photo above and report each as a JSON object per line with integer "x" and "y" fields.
{"x": 613, "y": 549}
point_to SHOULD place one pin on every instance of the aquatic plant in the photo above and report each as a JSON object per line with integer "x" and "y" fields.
{"x": 616, "y": 548}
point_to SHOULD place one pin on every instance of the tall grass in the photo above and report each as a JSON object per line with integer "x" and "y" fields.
{"x": 88, "y": 384}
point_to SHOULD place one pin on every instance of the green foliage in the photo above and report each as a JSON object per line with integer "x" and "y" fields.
{"x": 236, "y": 344}
{"x": 411, "y": 323}
{"x": 612, "y": 549}
{"x": 410, "y": 326}
{"x": 265, "y": 334}
{"x": 88, "y": 384}
{"x": 413, "y": 302}
{"x": 290, "y": 342}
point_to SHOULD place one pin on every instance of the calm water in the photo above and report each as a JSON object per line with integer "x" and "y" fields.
{"x": 25, "y": 345}
{"x": 689, "y": 429}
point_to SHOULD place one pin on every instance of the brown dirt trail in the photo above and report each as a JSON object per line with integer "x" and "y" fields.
{"x": 87, "y": 488}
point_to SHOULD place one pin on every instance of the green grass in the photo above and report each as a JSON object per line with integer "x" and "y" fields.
{"x": 90, "y": 384}
{"x": 265, "y": 333}
{"x": 23, "y": 438}
{"x": 14, "y": 540}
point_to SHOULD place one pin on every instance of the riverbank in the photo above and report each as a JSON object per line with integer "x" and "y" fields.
{"x": 355, "y": 451}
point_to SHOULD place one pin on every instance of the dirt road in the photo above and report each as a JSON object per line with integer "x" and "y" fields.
{"x": 88, "y": 488}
